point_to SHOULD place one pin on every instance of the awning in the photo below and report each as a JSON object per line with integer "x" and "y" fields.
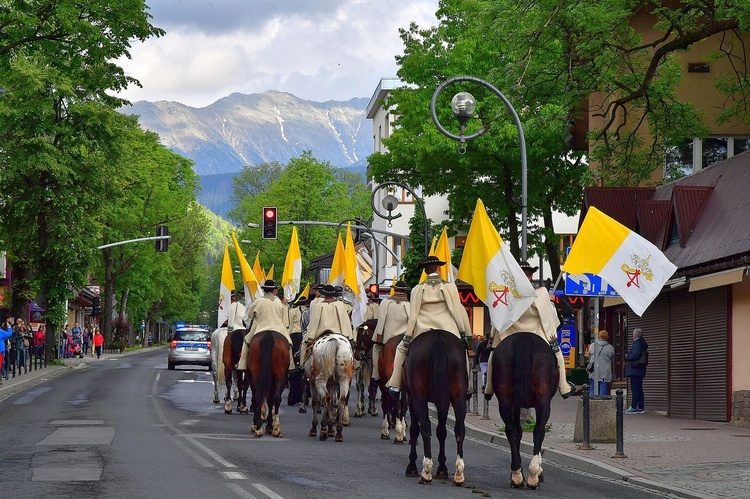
{"x": 717, "y": 279}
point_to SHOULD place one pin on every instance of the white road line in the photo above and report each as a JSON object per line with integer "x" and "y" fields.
{"x": 158, "y": 375}
{"x": 270, "y": 493}
{"x": 233, "y": 475}
{"x": 211, "y": 453}
{"x": 240, "y": 491}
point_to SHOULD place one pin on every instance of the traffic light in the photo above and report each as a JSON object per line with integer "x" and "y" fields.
{"x": 162, "y": 244}
{"x": 270, "y": 222}
{"x": 96, "y": 307}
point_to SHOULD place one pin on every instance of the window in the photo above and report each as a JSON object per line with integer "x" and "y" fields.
{"x": 692, "y": 155}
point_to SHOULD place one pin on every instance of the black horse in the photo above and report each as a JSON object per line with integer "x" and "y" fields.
{"x": 436, "y": 372}
{"x": 363, "y": 354}
{"x": 524, "y": 374}
{"x": 394, "y": 410}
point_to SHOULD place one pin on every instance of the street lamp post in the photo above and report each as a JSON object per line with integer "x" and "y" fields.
{"x": 390, "y": 203}
{"x": 247, "y": 241}
{"x": 363, "y": 225}
{"x": 463, "y": 105}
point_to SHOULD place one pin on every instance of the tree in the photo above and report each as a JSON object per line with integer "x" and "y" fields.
{"x": 58, "y": 134}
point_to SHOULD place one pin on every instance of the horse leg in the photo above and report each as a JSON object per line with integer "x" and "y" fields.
{"x": 244, "y": 384}
{"x": 359, "y": 381}
{"x": 276, "y": 431}
{"x": 399, "y": 416}
{"x": 411, "y": 468}
{"x": 236, "y": 392}
{"x": 257, "y": 427}
{"x": 227, "y": 393}
{"x": 340, "y": 419}
{"x": 373, "y": 397}
{"x": 425, "y": 431}
{"x": 459, "y": 411}
{"x": 535, "y": 467}
{"x": 314, "y": 430}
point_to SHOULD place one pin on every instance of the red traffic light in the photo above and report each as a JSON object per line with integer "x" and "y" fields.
{"x": 270, "y": 222}
{"x": 270, "y": 213}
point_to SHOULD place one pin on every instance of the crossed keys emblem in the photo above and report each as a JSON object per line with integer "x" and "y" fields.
{"x": 500, "y": 291}
{"x": 640, "y": 268}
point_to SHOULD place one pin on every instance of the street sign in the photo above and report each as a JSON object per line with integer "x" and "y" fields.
{"x": 587, "y": 285}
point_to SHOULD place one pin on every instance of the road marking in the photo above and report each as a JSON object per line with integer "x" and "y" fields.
{"x": 270, "y": 493}
{"x": 84, "y": 435}
{"x": 240, "y": 491}
{"x": 211, "y": 453}
{"x": 233, "y": 475}
{"x": 193, "y": 381}
{"x": 76, "y": 422}
{"x": 158, "y": 375}
{"x": 190, "y": 422}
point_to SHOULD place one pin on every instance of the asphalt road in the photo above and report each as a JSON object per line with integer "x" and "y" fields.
{"x": 129, "y": 428}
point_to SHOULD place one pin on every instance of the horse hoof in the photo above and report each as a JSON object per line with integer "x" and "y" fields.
{"x": 374, "y": 413}
{"x": 347, "y": 424}
{"x": 216, "y": 401}
{"x": 313, "y": 433}
{"x": 411, "y": 472}
{"x": 302, "y": 410}
{"x": 331, "y": 433}
{"x": 441, "y": 475}
{"x": 357, "y": 415}
{"x": 384, "y": 437}
{"x": 398, "y": 442}
{"x": 532, "y": 487}
{"x": 277, "y": 434}
{"x": 424, "y": 481}
{"x": 458, "y": 484}
{"x": 339, "y": 438}
{"x": 323, "y": 436}
{"x": 227, "y": 411}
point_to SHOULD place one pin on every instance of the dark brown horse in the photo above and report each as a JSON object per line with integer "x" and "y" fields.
{"x": 394, "y": 411}
{"x": 268, "y": 362}
{"x": 231, "y": 352}
{"x": 436, "y": 372}
{"x": 524, "y": 374}
{"x": 363, "y": 353}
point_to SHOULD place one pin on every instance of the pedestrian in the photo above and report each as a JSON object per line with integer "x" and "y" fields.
{"x": 482, "y": 357}
{"x": 435, "y": 305}
{"x": 635, "y": 370}
{"x": 541, "y": 319}
{"x": 393, "y": 316}
{"x": 77, "y": 334}
{"x": 86, "y": 340}
{"x": 98, "y": 342}
{"x": 601, "y": 354}
{"x": 5, "y": 332}
{"x": 40, "y": 339}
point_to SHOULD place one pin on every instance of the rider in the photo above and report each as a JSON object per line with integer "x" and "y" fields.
{"x": 327, "y": 315}
{"x": 540, "y": 318}
{"x": 392, "y": 320}
{"x": 373, "y": 306}
{"x": 435, "y": 304}
{"x": 295, "y": 320}
{"x": 267, "y": 314}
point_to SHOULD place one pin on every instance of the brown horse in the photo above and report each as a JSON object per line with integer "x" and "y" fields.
{"x": 268, "y": 361}
{"x": 524, "y": 374}
{"x": 394, "y": 411}
{"x": 363, "y": 354}
{"x": 231, "y": 351}
{"x": 436, "y": 372}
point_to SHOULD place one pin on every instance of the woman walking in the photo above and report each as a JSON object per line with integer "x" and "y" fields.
{"x": 601, "y": 353}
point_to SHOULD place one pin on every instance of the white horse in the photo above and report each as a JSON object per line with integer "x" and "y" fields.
{"x": 330, "y": 370}
{"x": 236, "y": 313}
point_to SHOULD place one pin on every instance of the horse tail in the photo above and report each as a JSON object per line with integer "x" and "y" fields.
{"x": 267, "y": 344}
{"x": 522, "y": 352}
{"x": 439, "y": 370}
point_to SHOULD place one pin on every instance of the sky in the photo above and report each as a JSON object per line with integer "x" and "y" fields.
{"x": 317, "y": 50}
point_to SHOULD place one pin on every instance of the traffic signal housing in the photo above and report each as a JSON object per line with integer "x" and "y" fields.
{"x": 96, "y": 307}
{"x": 270, "y": 222}
{"x": 162, "y": 244}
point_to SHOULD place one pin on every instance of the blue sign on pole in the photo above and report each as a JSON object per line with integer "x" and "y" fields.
{"x": 587, "y": 285}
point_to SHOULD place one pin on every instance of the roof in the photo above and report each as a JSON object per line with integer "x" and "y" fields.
{"x": 709, "y": 210}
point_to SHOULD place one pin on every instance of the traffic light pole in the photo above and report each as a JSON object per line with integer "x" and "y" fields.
{"x": 120, "y": 243}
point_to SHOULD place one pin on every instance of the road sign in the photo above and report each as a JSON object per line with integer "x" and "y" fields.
{"x": 587, "y": 285}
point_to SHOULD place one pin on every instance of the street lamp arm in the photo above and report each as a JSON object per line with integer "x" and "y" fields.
{"x": 390, "y": 217}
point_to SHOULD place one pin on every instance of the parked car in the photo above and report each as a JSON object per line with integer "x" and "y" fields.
{"x": 190, "y": 345}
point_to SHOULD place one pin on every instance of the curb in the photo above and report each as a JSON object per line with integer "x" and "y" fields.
{"x": 33, "y": 380}
{"x": 577, "y": 462}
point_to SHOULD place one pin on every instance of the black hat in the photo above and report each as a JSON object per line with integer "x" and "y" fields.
{"x": 339, "y": 290}
{"x": 328, "y": 290}
{"x": 268, "y": 285}
{"x": 526, "y": 267}
{"x": 432, "y": 260}
{"x": 401, "y": 286}
{"x": 302, "y": 300}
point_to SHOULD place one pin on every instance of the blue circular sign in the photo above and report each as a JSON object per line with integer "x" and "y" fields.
{"x": 565, "y": 348}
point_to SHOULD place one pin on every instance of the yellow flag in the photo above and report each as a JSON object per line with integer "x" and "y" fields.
{"x": 353, "y": 280}
{"x": 305, "y": 292}
{"x": 336, "y": 277}
{"x": 270, "y": 273}
{"x": 259, "y": 274}
{"x": 225, "y": 288}
{"x": 423, "y": 277}
{"x": 290, "y": 279}
{"x": 248, "y": 276}
{"x": 443, "y": 251}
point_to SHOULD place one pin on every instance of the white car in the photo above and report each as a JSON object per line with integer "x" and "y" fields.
{"x": 190, "y": 345}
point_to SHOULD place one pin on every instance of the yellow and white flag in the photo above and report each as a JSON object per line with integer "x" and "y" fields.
{"x": 290, "y": 279}
{"x": 443, "y": 251}
{"x": 225, "y": 288}
{"x": 634, "y": 267}
{"x": 353, "y": 280}
{"x": 489, "y": 266}
{"x": 336, "y": 277}
{"x": 423, "y": 277}
{"x": 269, "y": 275}
{"x": 248, "y": 276}
{"x": 259, "y": 274}
{"x": 305, "y": 292}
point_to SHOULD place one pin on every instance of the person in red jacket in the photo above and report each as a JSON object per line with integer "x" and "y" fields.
{"x": 98, "y": 342}
{"x": 40, "y": 337}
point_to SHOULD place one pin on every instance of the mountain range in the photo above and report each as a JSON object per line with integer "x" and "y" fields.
{"x": 249, "y": 129}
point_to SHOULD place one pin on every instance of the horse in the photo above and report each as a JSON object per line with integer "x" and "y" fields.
{"x": 330, "y": 372}
{"x": 218, "y": 375}
{"x": 394, "y": 411}
{"x": 363, "y": 353}
{"x": 267, "y": 363}
{"x": 524, "y": 374}
{"x": 296, "y": 378}
{"x": 436, "y": 372}
{"x": 232, "y": 350}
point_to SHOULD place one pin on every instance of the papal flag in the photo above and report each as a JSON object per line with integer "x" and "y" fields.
{"x": 336, "y": 277}
{"x": 269, "y": 275}
{"x": 443, "y": 251}
{"x": 225, "y": 288}
{"x": 305, "y": 292}
{"x": 423, "y": 277}
{"x": 489, "y": 266}
{"x": 634, "y": 267}
{"x": 290, "y": 279}
{"x": 259, "y": 274}
{"x": 249, "y": 280}
{"x": 353, "y": 280}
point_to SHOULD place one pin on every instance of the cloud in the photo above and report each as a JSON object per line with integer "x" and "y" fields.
{"x": 317, "y": 50}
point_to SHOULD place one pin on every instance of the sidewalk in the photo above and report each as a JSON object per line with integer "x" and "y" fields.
{"x": 22, "y": 382}
{"x": 688, "y": 458}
